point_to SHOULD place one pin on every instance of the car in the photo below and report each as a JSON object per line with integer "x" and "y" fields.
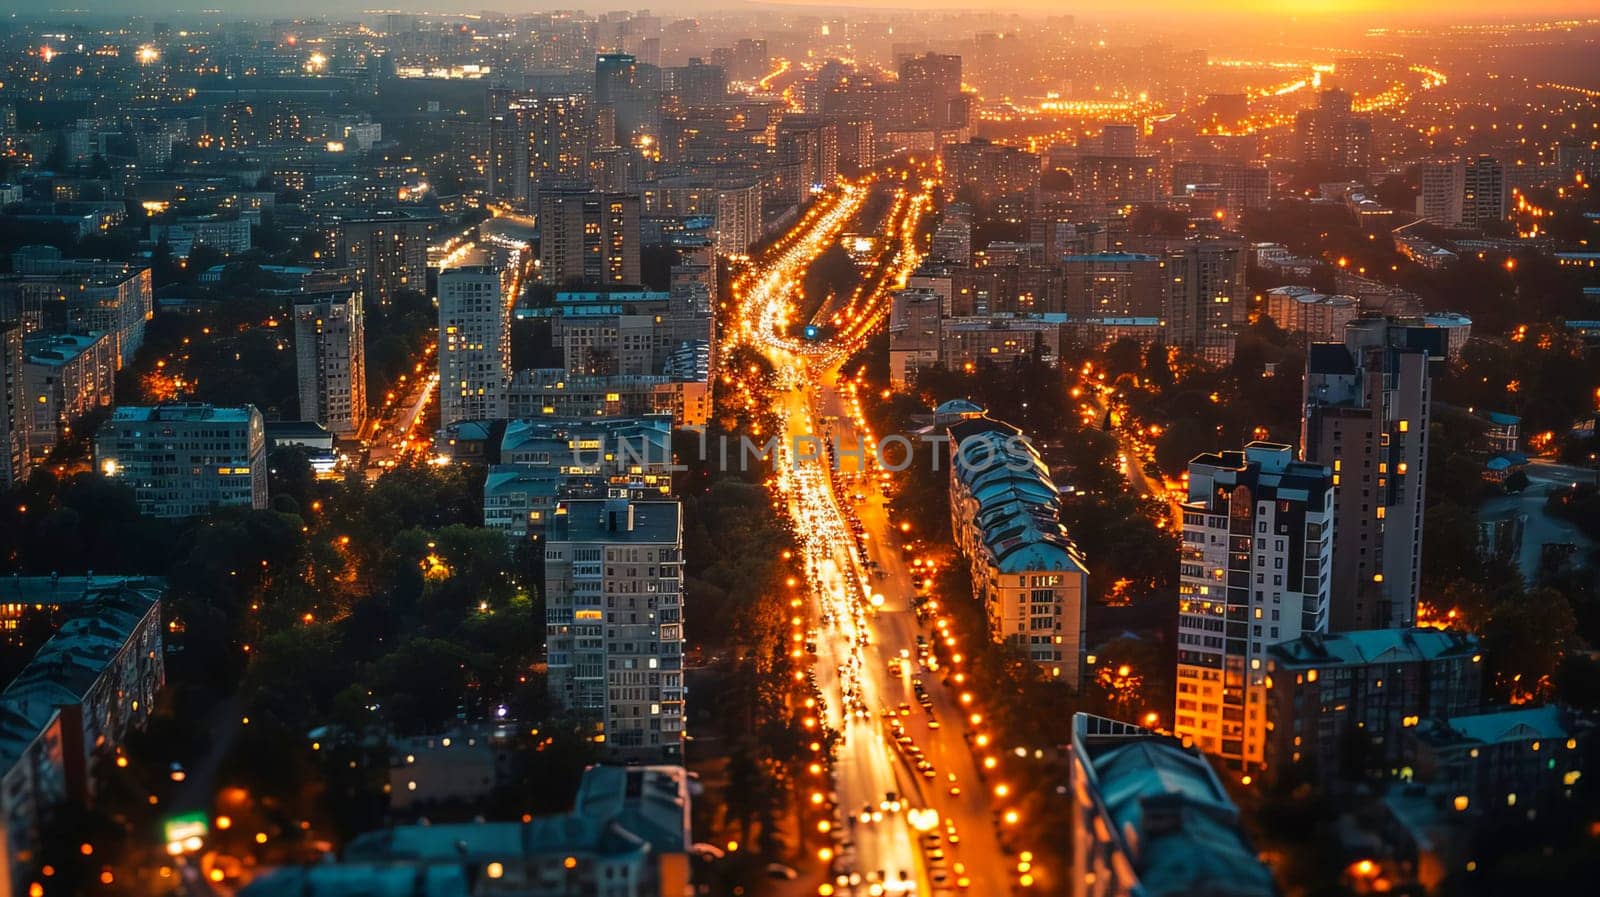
{"x": 905, "y": 709}
{"x": 781, "y": 872}
{"x": 933, "y": 723}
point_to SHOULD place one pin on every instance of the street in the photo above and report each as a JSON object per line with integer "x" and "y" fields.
{"x": 915, "y": 812}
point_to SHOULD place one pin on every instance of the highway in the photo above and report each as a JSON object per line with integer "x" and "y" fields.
{"x": 930, "y": 830}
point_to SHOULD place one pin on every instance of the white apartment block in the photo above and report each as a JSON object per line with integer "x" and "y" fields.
{"x": 614, "y": 620}
{"x": 1256, "y": 563}
{"x": 187, "y": 458}
{"x": 474, "y": 345}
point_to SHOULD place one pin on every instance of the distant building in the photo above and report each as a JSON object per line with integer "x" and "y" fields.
{"x": 331, "y": 361}
{"x": 184, "y": 459}
{"x": 1320, "y": 317}
{"x": 930, "y": 86}
{"x": 589, "y": 238}
{"x": 627, "y": 835}
{"x": 1443, "y": 189}
{"x": 614, "y": 625}
{"x": 389, "y": 252}
{"x": 227, "y": 234}
{"x": 1486, "y": 199}
{"x": 1151, "y": 819}
{"x": 1334, "y": 135}
{"x": 1114, "y": 284}
{"x": 474, "y": 344}
{"x": 66, "y": 714}
{"x": 1205, "y": 303}
{"x": 555, "y": 392}
{"x": 1026, "y": 570}
{"x": 992, "y": 175}
{"x": 16, "y": 418}
{"x": 1254, "y": 571}
{"x": 1340, "y": 703}
{"x": 1366, "y": 416}
{"x": 52, "y": 294}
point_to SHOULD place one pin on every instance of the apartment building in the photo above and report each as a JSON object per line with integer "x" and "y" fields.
{"x": 183, "y": 459}
{"x": 1026, "y": 570}
{"x": 331, "y": 360}
{"x": 1255, "y": 571}
{"x": 614, "y": 621}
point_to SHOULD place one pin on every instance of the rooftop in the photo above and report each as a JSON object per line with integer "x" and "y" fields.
{"x": 183, "y": 411}
{"x": 1370, "y": 646}
{"x": 613, "y": 520}
{"x": 1168, "y": 812}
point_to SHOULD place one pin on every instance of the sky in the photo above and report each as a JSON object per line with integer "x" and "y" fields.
{"x": 1376, "y": 10}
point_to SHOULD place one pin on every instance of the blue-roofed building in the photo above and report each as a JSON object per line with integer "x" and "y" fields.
{"x": 1005, "y": 512}
{"x": 70, "y": 707}
{"x": 1518, "y": 760}
{"x": 1339, "y": 703}
{"x": 1151, "y": 819}
{"x": 627, "y": 835}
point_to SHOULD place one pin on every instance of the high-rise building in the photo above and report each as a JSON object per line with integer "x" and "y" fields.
{"x": 930, "y": 88}
{"x": 1255, "y": 567}
{"x": 695, "y": 84}
{"x": 1444, "y": 186}
{"x": 1244, "y": 187}
{"x": 632, "y": 91}
{"x": 1485, "y": 199}
{"x": 389, "y": 253}
{"x": 988, "y": 174}
{"x": 1100, "y": 179}
{"x": 1151, "y": 819}
{"x": 1332, "y": 134}
{"x": 1114, "y": 284}
{"x": 14, "y": 414}
{"x": 474, "y": 344}
{"x": 1119, "y": 139}
{"x": 808, "y": 146}
{"x": 1366, "y": 417}
{"x": 67, "y": 375}
{"x": 1205, "y": 303}
{"x": 589, "y": 237}
{"x": 184, "y": 459}
{"x": 331, "y": 360}
{"x": 614, "y": 624}
{"x": 537, "y": 144}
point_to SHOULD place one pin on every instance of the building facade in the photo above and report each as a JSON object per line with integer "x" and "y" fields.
{"x": 1341, "y": 703}
{"x": 589, "y": 237}
{"x": 1366, "y": 417}
{"x": 1026, "y": 570}
{"x": 1255, "y": 571}
{"x": 184, "y": 459}
{"x": 330, "y": 347}
{"x": 474, "y": 344}
{"x": 614, "y": 624}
